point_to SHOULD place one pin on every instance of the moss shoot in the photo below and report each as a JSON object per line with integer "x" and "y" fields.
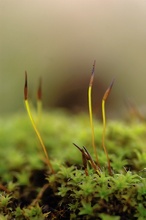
{"x": 28, "y": 190}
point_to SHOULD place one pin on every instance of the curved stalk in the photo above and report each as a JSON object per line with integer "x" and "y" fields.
{"x": 90, "y": 113}
{"x": 106, "y": 94}
{"x": 33, "y": 123}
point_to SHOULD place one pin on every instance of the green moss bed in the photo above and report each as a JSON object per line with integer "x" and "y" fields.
{"x": 29, "y": 191}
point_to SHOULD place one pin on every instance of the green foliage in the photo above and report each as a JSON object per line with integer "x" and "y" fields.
{"x": 125, "y": 181}
{"x": 33, "y": 213}
{"x": 29, "y": 191}
{"x": 108, "y": 217}
{"x": 4, "y": 200}
{"x": 91, "y": 195}
{"x": 86, "y": 209}
{"x": 142, "y": 211}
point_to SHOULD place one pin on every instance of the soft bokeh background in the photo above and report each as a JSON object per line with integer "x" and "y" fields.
{"x": 59, "y": 40}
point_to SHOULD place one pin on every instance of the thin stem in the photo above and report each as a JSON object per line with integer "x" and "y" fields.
{"x": 90, "y": 112}
{"x": 33, "y": 124}
{"x": 39, "y": 101}
{"x": 106, "y": 94}
{"x": 40, "y": 194}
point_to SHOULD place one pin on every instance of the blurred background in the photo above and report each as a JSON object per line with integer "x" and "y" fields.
{"x": 59, "y": 40}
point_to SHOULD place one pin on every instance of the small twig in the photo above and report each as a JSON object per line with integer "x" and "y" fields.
{"x": 2, "y": 187}
{"x": 40, "y": 194}
{"x": 87, "y": 157}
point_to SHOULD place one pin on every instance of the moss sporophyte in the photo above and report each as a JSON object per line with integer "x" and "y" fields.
{"x": 109, "y": 183}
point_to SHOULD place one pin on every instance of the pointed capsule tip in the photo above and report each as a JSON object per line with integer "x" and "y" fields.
{"x": 111, "y": 85}
{"x": 92, "y": 74}
{"x": 25, "y": 87}
{"x": 77, "y": 147}
{"x": 107, "y": 92}
{"x": 39, "y": 93}
{"x": 93, "y": 68}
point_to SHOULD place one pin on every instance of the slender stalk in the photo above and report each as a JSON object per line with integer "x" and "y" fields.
{"x": 106, "y": 94}
{"x": 90, "y": 113}
{"x": 33, "y": 123}
{"x": 39, "y": 101}
{"x": 39, "y": 196}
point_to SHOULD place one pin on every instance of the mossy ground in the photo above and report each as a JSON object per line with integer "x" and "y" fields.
{"x": 29, "y": 191}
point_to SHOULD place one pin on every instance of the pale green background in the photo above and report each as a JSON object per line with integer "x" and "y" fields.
{"x": 59, "y": 39}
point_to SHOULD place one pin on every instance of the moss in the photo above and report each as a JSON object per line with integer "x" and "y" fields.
{"x": 29, "y": 191}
